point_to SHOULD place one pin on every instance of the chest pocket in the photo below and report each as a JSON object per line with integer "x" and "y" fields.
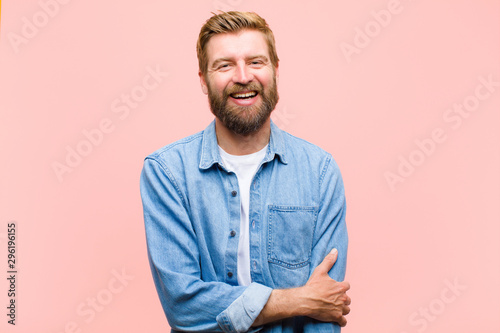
{"x": 290, "y": 235}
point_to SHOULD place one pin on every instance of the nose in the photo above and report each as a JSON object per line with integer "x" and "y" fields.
{"x": 242, "y": 74}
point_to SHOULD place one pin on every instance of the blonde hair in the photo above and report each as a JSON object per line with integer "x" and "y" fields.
{"x": 233, "y": 21}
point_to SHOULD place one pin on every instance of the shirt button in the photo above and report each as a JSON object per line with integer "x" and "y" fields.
{"x": 254, "y": 265}
{"x": 230, "y": 274}
{"x": 253, "y": 224}
{"x": 233, "y": 233}
{"x": 234, "y": 193}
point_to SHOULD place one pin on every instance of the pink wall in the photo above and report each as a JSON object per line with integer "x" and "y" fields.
{"x": 397, "y": 91}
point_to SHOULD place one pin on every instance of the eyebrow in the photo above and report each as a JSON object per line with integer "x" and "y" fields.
{"x": 219, "y": 60}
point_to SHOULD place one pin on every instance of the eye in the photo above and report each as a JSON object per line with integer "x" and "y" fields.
{"x": 257, "y": 63}
{"x": 224, "y": 68}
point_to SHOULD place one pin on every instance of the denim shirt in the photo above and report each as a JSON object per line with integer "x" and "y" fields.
{"x": 192, "y": 219}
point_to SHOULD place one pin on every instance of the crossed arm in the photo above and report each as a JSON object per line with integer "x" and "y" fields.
{"x": 321, "y": 298}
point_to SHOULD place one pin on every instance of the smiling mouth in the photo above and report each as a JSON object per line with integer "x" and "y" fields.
{"x": 246, "y": 95}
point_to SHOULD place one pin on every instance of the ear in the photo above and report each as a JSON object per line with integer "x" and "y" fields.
{"x": 277, "y": 73}
{"x": 203, "y": 83}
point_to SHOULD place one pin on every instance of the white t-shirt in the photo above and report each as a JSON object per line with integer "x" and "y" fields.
{"x": 245, "y": 167}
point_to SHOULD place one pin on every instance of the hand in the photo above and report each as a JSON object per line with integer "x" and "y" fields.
{"x": 326, "y": 299}
{"x": 321, "y": 298}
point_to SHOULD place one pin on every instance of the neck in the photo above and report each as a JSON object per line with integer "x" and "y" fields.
{"x": 236, "y": 144}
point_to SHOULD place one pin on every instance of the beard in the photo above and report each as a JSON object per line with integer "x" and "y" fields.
{"x": 243, "y": 120}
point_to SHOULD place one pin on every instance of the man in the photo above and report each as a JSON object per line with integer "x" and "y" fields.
{"x": 240, "y": 218}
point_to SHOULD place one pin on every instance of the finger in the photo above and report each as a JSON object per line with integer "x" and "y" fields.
{"x": 348, "y": 301}
{"x": 342, "y": 322}
{"x": 346, "y": 310}
{"x": 328, "y": 262}
{"x": 346, "y": 285}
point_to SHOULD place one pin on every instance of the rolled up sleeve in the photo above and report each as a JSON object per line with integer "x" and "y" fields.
{"x": 241, "y": 314}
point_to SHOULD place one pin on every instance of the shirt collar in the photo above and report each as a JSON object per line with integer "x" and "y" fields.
{"x": 210, "y": 150}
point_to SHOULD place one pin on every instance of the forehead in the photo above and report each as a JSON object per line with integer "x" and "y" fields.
{"x": 245, "y": 43}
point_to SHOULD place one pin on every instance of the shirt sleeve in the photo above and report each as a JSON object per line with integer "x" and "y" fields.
{"x": 190, "y": 304}
{"x": 331, "y": 232}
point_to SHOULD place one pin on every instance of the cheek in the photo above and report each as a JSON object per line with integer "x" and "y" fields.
{"x": 213, "y": 86}
{"x": 220, "y": 84}
{"x": 267, "y": 79}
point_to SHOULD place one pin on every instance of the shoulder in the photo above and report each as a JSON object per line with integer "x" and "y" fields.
{"x": 181, "y": 149}
{"x": 298, "y": 148}
{"x": 308, "y": 156}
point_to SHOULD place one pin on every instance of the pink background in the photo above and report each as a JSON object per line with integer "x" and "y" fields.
{"x": 408, "y": 242}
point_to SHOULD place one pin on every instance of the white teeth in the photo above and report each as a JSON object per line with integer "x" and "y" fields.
{"x": 246, "y": 95}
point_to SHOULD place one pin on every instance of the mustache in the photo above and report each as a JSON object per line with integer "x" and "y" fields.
{"x": 238, "y": 87}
